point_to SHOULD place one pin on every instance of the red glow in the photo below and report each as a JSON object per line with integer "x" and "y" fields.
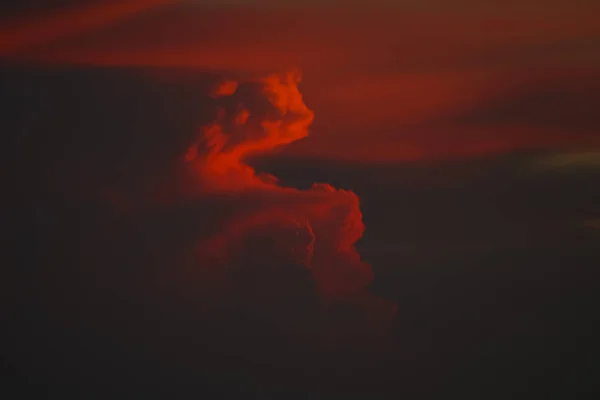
{"x": 330, "y": 219}
{"x": 37, "y": 30}
{"x": 384, "y": 73}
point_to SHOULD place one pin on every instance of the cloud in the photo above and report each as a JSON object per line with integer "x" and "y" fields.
{"x": 200, "y": 258}
{"x": 252, "y": 118}
{"x": 330, "y": 40}
{"x": 314, "y": 229}
{"x": 561, "y": 103}
{"x": 462, "y": 114}
{"x": 186, "y": 210}
{"x": 225, "y": 88}
{"x": 29, "y": 32}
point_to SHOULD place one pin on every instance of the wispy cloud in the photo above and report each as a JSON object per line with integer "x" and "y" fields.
{"x": 22, "y": 34}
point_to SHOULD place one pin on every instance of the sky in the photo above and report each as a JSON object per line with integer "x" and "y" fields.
{"x": 421, "y": 79}
{"x": 301, "y": 197}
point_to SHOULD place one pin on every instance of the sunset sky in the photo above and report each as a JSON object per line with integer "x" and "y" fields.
{"x": 402, "y": 184}
{"x": 401, "y": 81}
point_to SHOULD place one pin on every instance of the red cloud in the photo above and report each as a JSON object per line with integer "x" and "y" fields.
{"x": 264, "y": 114}
{"x": 253, "y": 117}
{"x": 225, "y": 88}
{"x": 266, "y": 227}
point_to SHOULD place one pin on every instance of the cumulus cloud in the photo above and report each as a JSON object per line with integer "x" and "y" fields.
{"x": 313, "y": 230}
{"x": 149, "y": 227}
{"x": 251, "y": 118}
{"x": 220, "y": 231}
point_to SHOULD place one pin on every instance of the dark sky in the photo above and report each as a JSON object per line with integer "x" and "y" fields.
{"x": 302, "y": 201}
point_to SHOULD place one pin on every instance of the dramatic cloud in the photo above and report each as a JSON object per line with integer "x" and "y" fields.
{"x": 314, "y": 230}
{"x": 144, "y": 224}
{"x": 251, "y": 118}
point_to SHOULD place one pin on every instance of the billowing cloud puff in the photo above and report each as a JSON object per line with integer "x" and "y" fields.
{"x": 314, "y": 230}
{"x": 224, "y": 233}
{"x": 154, "y": 230}
{"x": 251, "y": 118}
